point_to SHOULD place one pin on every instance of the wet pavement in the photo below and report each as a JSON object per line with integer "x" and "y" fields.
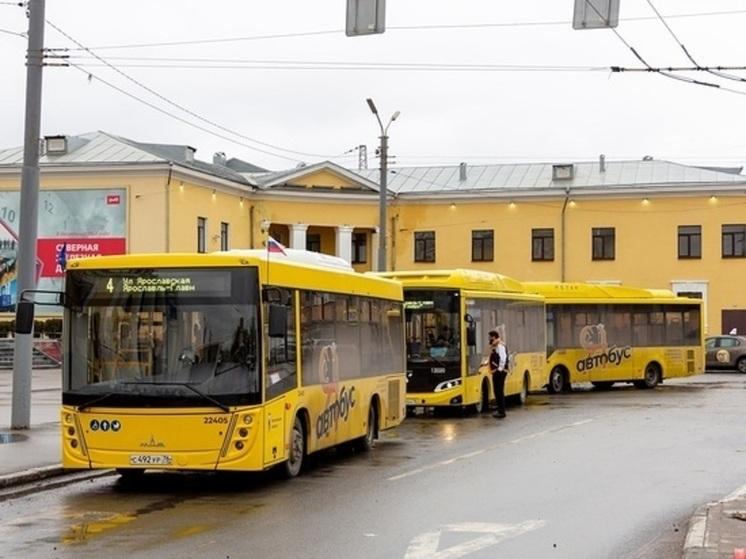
{"x": 589, "y": 474}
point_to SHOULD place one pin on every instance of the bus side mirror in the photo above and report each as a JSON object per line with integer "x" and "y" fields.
{"x": 24, "y": 317}
{"x": 278, "y": 321}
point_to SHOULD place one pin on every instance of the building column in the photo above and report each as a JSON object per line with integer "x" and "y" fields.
{"x": 374, "y": 249}
{"x": 344, "y": 242}
{"x": 298, "y": 235}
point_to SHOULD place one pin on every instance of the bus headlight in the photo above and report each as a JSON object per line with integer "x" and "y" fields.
{"x": 448, "y": 384}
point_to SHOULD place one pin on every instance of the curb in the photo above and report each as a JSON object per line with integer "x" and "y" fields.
{"x": 33, "y": 474}
{"x": 43, "y": 479}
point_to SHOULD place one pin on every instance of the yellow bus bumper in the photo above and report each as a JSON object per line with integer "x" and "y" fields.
{"x": 451, "y": 397}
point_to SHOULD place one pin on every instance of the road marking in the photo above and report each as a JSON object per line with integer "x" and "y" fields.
{"x": 468, "y": 455}
{"x": 425, "y": 546}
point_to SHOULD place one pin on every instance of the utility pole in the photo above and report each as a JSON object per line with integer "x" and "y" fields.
{"x": 382, "y": 184}
{"x": 28, "y": 219}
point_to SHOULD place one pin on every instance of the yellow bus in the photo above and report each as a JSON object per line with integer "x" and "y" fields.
{"x": 448, "y": 315}
{"x": 226, "y": 361}
{"x": 605, "y": 334}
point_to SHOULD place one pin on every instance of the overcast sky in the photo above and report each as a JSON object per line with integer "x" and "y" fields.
{"x": 446, "y": 116}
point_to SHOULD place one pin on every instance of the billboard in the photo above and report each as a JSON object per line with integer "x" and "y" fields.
{"x": 72, "y": 224}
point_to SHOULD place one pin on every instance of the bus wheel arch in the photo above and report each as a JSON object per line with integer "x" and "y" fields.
{"x": 559, "y": 380}
{"x": 652, "y": 376}
{"x": 298, "y": 445}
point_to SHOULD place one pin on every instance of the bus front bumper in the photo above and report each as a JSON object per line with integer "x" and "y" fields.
{"x": 451, "y": 397}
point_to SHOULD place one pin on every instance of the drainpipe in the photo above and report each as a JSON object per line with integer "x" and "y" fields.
{"x": 251, "y": 225}
{"x": 168, "y": 207}
{"x": 562, "y": 233}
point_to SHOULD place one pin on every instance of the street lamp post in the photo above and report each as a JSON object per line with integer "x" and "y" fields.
{"x": 382, "y": 184}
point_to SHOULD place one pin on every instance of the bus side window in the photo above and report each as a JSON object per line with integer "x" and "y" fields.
{"x": 281, "y": 375}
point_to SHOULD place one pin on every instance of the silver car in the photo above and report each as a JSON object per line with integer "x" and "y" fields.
{"x": 726, "y": 352}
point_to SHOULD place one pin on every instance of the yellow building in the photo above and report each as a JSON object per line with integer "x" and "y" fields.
{"x": 649, "y": 223}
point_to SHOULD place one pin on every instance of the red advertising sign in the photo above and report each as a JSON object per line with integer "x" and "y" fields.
{"x": 50, "y": 251}
{"x": 113, "y": 199}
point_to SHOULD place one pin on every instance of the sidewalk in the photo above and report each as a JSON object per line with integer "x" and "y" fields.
{"x": 717, "y": 529}
{"x": 35, "y": 452}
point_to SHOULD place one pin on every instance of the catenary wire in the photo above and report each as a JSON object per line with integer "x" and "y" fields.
{"x": 394, "y": 28}
{"x": 175, "y": 116}
{"x": 188, "y": 111}
{"x": 661, "y": 72}
{"x": 723, "y": 75}
{"x": 9, "y": 32}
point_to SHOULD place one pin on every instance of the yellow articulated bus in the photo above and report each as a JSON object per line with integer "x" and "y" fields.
{"x": 448, "y": 315}
{"x": 604, "y": 334}
{"x": 226, "y": 361}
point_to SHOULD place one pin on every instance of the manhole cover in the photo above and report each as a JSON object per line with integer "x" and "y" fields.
{"x": 6, "y": 438}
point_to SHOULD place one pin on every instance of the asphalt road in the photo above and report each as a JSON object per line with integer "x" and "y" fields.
{"x": 589, "y": 474}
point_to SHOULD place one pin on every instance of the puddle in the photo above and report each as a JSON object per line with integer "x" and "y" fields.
{"x": 7, "y": 438}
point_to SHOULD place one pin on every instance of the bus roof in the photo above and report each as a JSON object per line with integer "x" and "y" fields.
{"x": 570, "y": 292}
{"x": 458, "y": 278}
{"x": 290, "y": 270}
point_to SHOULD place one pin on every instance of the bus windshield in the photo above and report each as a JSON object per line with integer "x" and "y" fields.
{"x": 162, "y": 337}
{"x": 432, "y": 325}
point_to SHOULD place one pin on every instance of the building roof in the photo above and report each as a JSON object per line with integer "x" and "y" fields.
{"x": 528, "y": 177}
{"x": 102, "y": 148}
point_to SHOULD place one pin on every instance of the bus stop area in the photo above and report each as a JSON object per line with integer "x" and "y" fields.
{"x": 717, "y": 530}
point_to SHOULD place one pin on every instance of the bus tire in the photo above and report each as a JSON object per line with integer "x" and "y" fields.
{"x": 294, "y": 464}
{"x": 484, "y": 399}
{"x": 741, "y": 365}
{"x": 366, "y": 442}
{"x": 523, "y": 394}
{"x": 651, "y": 378}
{"x": 558, "y": 381}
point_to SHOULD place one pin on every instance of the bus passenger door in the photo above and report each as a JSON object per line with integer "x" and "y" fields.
{"x": 281, "y": 377}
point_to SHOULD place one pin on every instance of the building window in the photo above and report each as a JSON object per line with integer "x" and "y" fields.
{"x": 734, "y": 241}
{"x": 313, "y": 242}
{"x": 542, "y": 245}
{"x": 603, "y": 243}
{"x": 424, "y": 246}
{"x": 201, "y": 233}
{"x": 482, "y": 245}
{"x": 223, "y": 235}
{"x": 690, "y": 241}
{"x": 359, "y": 248}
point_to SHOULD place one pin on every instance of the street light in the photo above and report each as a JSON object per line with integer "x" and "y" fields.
{"x": 382, "y": 183}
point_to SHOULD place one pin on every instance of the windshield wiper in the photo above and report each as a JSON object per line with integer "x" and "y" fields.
{"x": 89, "y": 403}
{"x": 191, "y": 387}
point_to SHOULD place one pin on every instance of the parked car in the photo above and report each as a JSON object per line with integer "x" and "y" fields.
{"x": 726, "y": 352}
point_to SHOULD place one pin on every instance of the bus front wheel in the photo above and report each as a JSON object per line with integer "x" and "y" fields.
{"x": 652, "y": 377}
{"x": 294, "y": 463}
{"x": 557, "y": 381}
{"x": 484, "y": 398}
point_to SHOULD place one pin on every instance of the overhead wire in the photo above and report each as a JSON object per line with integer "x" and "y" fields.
{"x": 389, "y": 28}
{"x": 658, "y": 70}
{"x": 9, "y": 32}
{"x": 719, "y": 74}
{"x": 186, "y": 110}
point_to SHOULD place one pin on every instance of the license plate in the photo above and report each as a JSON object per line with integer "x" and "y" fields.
{"x": 411, "y": 402}
{"x": 151, "y": 459}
